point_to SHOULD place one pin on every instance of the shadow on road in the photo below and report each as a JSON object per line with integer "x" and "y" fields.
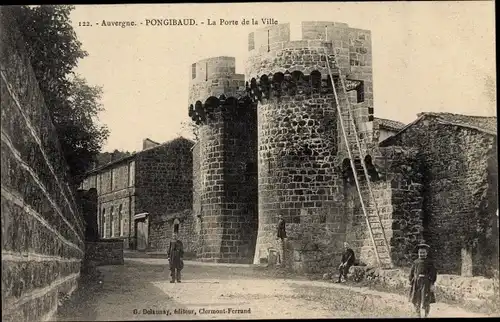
{"x": 127, "y": 292}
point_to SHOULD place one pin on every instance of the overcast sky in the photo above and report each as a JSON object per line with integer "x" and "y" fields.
{"x": 427, "y": 56}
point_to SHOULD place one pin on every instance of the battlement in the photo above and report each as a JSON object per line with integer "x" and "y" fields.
{"x": 201, "y": 112}
{"x": 314, "y": 34}
{"x": 272, "y": 51}
{"x": 213, "y": 68}
{"x": 214, "y": 76}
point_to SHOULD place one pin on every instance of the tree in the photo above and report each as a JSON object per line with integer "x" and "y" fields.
{"x": 107, "y": 157}
{"x": 192, "y": 130}
{"x": 54, "y": 52}
{"x": 80, "y": 135}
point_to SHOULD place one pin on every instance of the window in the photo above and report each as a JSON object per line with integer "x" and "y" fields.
{"x": 120, "y": 219}
{"x": 98, "y": 183}
{"x": 103, "y": 226}
{"x": 111, "y": 222}
{"x": 131, "y": 173}
{"x": 193, "y": 71}
{"x": 315, "y": 80}
{"x": 176, "y": 226}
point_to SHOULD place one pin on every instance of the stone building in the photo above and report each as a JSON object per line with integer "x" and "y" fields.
{"x": 144, "y": 197}
{"x": 458, "y": 162}
{"x": 384, "y": 128}
{"x": 273, "y": 142}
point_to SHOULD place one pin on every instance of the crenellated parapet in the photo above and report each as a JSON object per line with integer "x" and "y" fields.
{"x": 215, "y": 87}
{"x": 261, "y": 88}
{"x": 202, "y": 112}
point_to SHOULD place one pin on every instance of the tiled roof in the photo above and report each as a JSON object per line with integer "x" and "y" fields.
{"x": 388, "y": 124}
{"x": 486, "y": 124}
{"x": 133, "y": 155}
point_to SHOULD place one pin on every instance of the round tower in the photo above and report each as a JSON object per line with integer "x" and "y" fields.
{"x": 226, "y": 182}
{"x": 300, "y": 143}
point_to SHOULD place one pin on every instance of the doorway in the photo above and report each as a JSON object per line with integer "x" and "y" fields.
{"x": 141, "y": 233}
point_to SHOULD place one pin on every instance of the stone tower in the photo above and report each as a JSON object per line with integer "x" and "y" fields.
{"x": 300, "y": 142}
{"x": 226, "y": 185}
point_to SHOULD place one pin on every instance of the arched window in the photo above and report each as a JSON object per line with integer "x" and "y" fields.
{"x": 120, "y": 219}
{"x": 177, "y": 224}
{"x": 315, "y": 81}
{"x": 111, "y": 222}
{"x": 103, "y": 223}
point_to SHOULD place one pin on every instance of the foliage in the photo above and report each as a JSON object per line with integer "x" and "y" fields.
{"x": 54, "y": 52}
{"x": 106, "y": 157}
{"x": 192, "y": 129}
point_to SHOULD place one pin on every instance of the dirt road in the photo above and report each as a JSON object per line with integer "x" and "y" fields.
{"x": 140, "y": 290}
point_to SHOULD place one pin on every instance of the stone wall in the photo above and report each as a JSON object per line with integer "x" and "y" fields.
{"x": 104, "y": 252}
{"x": 164, "y": 181}
{"x": 297, "y": 174}
{"x": 87, "y": 201}
{"x": 42, "y": 230}
{"x": 402, "y": 167}
{"x": 358, "y": 235}
{"x": 476, "y": 293}
{"x": 459, "y": 193}
{"x": 162, "y": 230}
{"x": 398, "y": 196}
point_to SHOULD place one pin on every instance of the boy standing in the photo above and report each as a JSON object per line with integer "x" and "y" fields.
{"x": 423, "y": 275}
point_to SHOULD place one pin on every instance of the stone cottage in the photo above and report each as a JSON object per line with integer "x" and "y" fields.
{"x": 458, "y": 176}
{"x": 145, "y": 197}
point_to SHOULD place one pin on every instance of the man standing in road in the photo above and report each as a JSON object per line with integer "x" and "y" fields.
{"x": 346, "y": 262}
{"x": 175, "y": 255}
{"x": 423, "y": 275}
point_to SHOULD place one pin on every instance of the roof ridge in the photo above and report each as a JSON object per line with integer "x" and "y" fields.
{"x": 457, "y": 114}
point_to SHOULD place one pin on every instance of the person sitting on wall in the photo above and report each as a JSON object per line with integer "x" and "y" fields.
{"x": 347, "y": 261}
{"x": 175, "y": 255}
{"x": 281, "y": 233}
{"x": 422, "y": 277}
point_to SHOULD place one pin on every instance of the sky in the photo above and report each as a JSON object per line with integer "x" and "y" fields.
{"x": 427, "y": 56}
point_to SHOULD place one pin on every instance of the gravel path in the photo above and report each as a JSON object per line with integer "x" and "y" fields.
{"x": 140, "y": 290}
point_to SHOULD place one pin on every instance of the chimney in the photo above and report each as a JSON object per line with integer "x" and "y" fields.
{"x": 148, "y": 143}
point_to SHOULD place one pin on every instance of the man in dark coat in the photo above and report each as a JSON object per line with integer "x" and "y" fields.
{"x": 281, "y": 228}
{"x": 422, "y": 277}
{"x": 346, "y": 262}
{"x": 281, "y": 235}
{"x": 175, "y": 255}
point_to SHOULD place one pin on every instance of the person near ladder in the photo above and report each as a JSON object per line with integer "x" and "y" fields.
{"x": 422, "y": 277}
{"x": 175, "y": 255}
{"x": 281, "y": 235}
{"x": 346, "y": 262}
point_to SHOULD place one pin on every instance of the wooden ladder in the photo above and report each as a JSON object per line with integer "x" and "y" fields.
{"x": 373, "y": 220}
